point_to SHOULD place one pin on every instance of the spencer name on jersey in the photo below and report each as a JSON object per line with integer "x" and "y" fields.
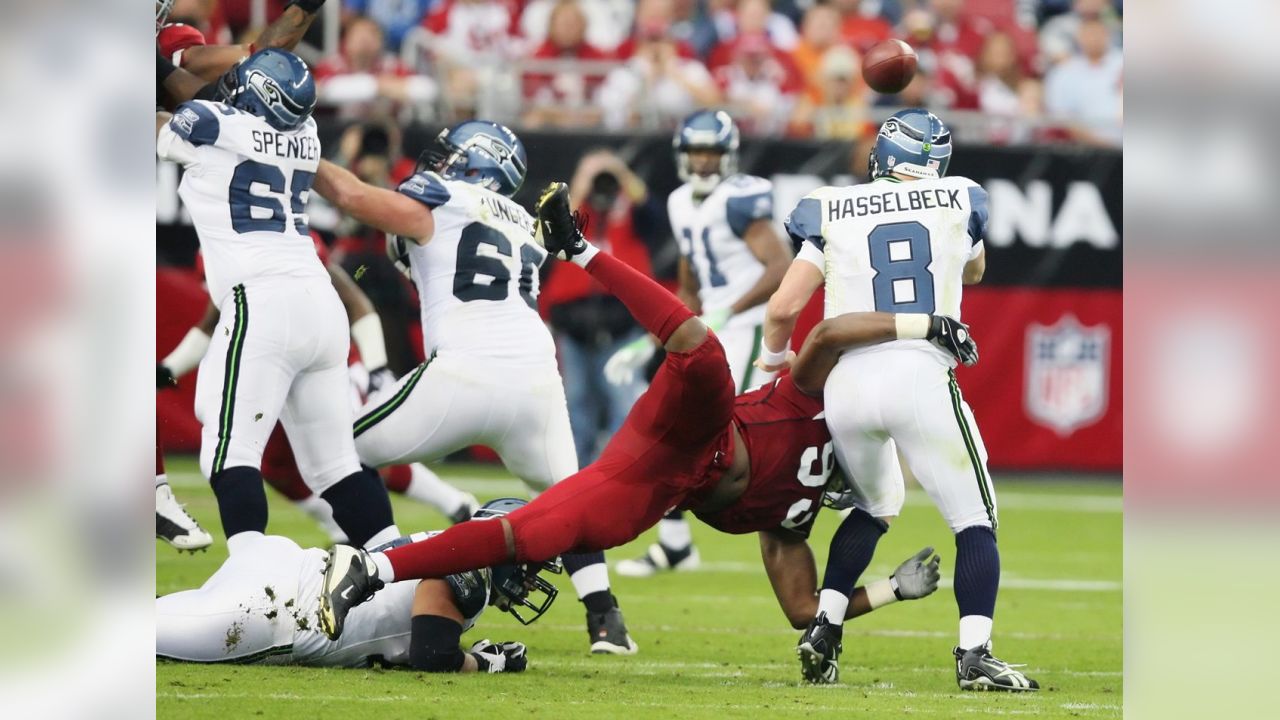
{"x": 477, "y": 276}
{"x": 892, "y": 246}
{"x": 246, "y": 186}
{"x": 710, "y": 234}
{"x": 298, "y": 147}
{"x": 891, "y": 202}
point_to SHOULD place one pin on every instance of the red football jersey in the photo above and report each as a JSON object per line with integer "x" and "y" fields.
{"x": 791, "y": 455}
{"x": 175, "y": 38}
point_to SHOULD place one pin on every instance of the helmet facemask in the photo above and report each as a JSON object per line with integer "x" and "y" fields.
{"x": 520, "y": 586}
{"x": 703, "y": 184}
{"x": 163, "y": 7}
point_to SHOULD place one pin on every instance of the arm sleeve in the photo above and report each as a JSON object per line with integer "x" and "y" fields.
{"x": 470, "y": 591}
{"x": 427, "y": 188}
{"x": 812, "y": 255}
{"x": 749, "y": 207}
{"x": 804, "y": 225}
{"x": 433, "y": 644}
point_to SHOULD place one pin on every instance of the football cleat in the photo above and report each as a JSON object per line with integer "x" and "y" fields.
{"x": 657, "y": 559}
{"x": 175, "y": 525}
{"x": 819, "y": 651}
{"x": 978, "y": 669}
{"x": 558, "y": 228}
{"x": 609, "y": 634}
{"x": 350, "y": 578}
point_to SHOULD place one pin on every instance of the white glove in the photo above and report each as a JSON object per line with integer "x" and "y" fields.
{"x": 621, "y": 369}
{"x": 499, "y": 657}
{"x": 917, "y": 576}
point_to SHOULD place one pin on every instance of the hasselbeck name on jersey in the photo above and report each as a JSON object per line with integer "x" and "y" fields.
{"x": 894, "y": 201}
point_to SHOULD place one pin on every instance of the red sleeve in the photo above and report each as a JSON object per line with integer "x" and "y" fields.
{"x": 321, "y": 249}
{"x": 437, "y": 19}
{"x": 176, "y": 37}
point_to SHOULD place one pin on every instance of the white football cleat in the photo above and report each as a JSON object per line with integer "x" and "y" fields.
{"x": 175, "y": 525}
{"x": 657, "y": 559}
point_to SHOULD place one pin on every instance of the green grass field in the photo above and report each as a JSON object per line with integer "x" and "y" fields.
{"x": 713, "y": 644}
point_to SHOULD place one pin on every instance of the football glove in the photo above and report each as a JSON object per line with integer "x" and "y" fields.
{"x": 953, "y": 336}
{"x": 623, "y": 365}
{"x": 500, "y": 657}
{"x": 558, "y": 229}
{"x": 379, "y": 379}
{"x": 164, "y": 377}
{"x": 916, "y": 577}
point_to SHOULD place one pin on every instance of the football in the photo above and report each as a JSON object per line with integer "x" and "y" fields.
{"x": 889, "y": 66}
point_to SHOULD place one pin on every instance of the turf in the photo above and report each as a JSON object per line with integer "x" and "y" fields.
{"x": 714, "y": 643}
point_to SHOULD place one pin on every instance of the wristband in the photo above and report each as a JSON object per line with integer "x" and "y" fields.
{"x": 307, "y": 6}
{"x": 882, "y": 592}
{"x": 911, "y": 326}
{"x": 771, "y": 358}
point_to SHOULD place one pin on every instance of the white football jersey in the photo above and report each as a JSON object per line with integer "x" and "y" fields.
{"x": 892, "y": 246}
{"x": 477, "y": 277}
{"x": 710, "y": 233}
{"x": 246, "y": 186}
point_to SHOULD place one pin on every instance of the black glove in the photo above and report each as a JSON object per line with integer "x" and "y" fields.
{"x": 558, "y": 229}
{"x": 309, "y": 6}
{"x": 165, "y": 378}
{"x": 953, "y": 336}
{"x": 499, "y": 657}
{"x": 378, "y": 379}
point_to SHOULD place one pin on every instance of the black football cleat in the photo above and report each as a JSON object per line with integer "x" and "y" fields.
{"x": 558, "y": 228}
{"x": 819, "y": 651}
{"x": 350, "y": 578}
{"x": 978, "y": 669}
{"x": 608, "y": 632}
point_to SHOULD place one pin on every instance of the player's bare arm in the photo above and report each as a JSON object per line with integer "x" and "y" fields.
{"x": 798, "y": 285}
{"x": 975, "y": 269}
{"x": 793, "y": 574}
{"x": 764, "y": 244}
{"x": 208, "y": 62}
{"x": 384, "y": 209}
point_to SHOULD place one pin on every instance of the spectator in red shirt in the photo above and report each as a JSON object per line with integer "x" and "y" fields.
{"x": 470, "y": 42}
{"x": 657, "y": 84}
{"x": 954, "y": 81}
{"x": 563, "y": 98}
{"x": 862, "y": 25}
{"x": 750, "y": 17}
{"x": 956, "y": 31}
{"x": 760, "y": 87}
{"x": 654, "y": 19}
{"x": 364, "y": 80}
{"x": 1004, "y": 92}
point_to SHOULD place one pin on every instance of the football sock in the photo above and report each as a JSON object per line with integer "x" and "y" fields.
{"x": 834, "y": 603}
{"x": 852, "y": 548}
{"x": 588, "y": 573}
{"x": 466, "y": 546}
{"x": 319, "y": 510}
{"x": 242, "y": 500}
{"x": 674, "y": 533}
{"x": 162, "y": 479}
{"x": 601, "y": 601}
{"x": 361, "y": 507}
{"x": 976, "y": 583}
{"x": 653, "y": 306}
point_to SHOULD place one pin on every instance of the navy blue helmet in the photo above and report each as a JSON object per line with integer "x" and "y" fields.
{"x": 275, "y": 85}
{"x": 912, "y": 142}
{"x": 480, "y": 152}
{"x": 519, "y": 586}
{"x": 706, "y": 130}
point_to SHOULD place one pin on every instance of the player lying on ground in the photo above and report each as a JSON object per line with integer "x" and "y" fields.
{"x": 260, "y": 606}
{"x": 758, "y": 464}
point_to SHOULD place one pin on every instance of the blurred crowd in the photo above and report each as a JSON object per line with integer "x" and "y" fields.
{"x": 1012, "y": 70}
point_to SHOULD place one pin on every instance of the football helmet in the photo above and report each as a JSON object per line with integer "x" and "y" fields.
{"x": 479, "y": 152}
{"x": 912, "y": 142}
{"x": 706, "y": 130}
{"x": 162, "y": 13}
{"x": 517, "y": 586}
{"x": 273, "y": 84}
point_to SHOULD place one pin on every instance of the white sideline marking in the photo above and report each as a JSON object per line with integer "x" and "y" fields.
{"x": 283, "y": 696}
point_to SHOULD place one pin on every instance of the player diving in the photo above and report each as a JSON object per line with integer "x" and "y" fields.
{"x": 759, "y": 462}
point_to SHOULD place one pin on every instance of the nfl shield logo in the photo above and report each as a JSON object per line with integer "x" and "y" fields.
{"x": 1067, "y": 369}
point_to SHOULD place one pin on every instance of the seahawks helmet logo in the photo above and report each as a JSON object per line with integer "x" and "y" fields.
{"x": 491, "y": 145}
{"x": 270, "y": 92}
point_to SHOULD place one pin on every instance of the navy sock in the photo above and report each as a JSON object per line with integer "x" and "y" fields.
{"x": 242, "y": 500}
{"x": 360, "y": 505}
{"x": 573, "y": 562}
{"x": 977, "y": 571}
{"x": 674, "y": 515}
{"x": 600, "y": 601}
{"x": 852, "y": 548}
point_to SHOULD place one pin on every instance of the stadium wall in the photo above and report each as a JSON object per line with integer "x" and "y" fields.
{"x": 1047, "y": 392}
